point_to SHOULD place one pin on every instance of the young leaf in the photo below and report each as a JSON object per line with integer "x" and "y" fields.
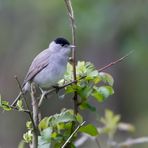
{"x": 28, "y": 136}
{"x": 43, "y": 123}
{"x": 19, "y": 105}
{"x": 86, "y": 105}
{"x": 89, "y": 129}
{"x": 5, "y": 105}
{"x": 65, "y": 116}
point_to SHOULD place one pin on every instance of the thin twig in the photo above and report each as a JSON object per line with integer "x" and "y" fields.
{"x": 71, "y": 136}
{"x": 98, "y": 142}
{"x": 24, "y": 98}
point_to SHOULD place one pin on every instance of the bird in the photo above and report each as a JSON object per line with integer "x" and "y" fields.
{"x": 48, "y": 67}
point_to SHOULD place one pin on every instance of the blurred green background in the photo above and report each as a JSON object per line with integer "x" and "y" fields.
{"x": 106, "y": 30}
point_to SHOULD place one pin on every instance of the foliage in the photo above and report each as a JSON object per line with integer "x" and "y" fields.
{"x": 87, "y": 86}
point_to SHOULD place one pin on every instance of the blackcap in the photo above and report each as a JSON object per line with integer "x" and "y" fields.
{"x": 48, "y": 67}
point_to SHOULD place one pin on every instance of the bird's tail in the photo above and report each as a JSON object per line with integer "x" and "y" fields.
{"x": 17, "y": 98}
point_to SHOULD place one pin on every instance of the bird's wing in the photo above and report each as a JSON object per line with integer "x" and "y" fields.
{"x": 39, "y": 63}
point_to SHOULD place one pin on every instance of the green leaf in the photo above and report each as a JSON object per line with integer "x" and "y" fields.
{"x": 28, "y": 136}
{"x": 85, "y": 92}
{"x": 46, "y": 133}
{"x": 86, "y": 105}
{"x": 42, "y": 143}
{"x": 19, "y": 105}
{"x": 101, "y": 93}
{"x": 106, "y": 91}
{"x": 21, "y": 144}
{"x": 107, "y": 78}
{"x": 29, "y": 125}
{"x": 89, "y": 129}
{"x": 5, "y": 105}
{"x": 97, "y": 95}
{"x": 79, "y": 118}
{"x": 43, "y": 123}
{"x": 65, "y": 116}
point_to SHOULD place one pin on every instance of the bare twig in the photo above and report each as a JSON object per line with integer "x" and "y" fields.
{"x": 71, "y": 136}
{"x": 35, "y": 117}
{"x": 115, "y": 62}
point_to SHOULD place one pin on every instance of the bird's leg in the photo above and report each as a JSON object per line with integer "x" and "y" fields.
{"x": 44, "y": 93}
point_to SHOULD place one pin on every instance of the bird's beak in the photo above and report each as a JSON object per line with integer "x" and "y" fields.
{"x": 72, "y": 46}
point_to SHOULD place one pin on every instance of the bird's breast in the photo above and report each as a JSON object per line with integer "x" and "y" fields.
{"x": 52, "y": 73}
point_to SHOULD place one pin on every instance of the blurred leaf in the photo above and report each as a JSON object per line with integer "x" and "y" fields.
{"x": 110, "y": 121}
{"x": 5, "y": 105}
{"x": 29, "y": 125}
{"x": 79, "y": 118}
{"x": 126, "y": 127}
{"x": 28, "y": 136}
{"x": 107, "y": 78}
{"x": 21, "y": 144}
{"x": 89, "y": 129}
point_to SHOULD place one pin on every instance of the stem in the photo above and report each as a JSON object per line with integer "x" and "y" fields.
{"x": 71, "y": 136}
{"x": 35, "y": 117}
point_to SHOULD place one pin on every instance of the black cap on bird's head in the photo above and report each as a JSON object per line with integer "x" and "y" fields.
{"x": 61, "y": 41}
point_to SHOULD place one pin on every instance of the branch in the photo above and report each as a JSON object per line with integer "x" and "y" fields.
{"x": 35, "y": 117}
{"x": 72, "y": 135}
